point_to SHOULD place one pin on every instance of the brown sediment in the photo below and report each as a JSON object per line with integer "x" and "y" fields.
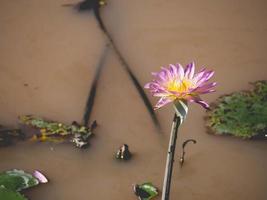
{"x": 45, "y": 45}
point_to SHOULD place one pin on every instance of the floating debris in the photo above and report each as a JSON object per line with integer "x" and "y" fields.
{"x": 145, "y": 191}
{"x": 58, "y": 132}
{"x": 124, "y": 153}
{"x": 8, "y": 136}
{"x": 41, "y": 178}
{"x": 182, "y": 157}
{"x": 241, "y": 114}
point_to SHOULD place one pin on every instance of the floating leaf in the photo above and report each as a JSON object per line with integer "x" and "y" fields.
{"x": 17, "y": 180}
{"x": 46, "y": 127}
{"x": 50, "y": 131}
{"x": 242, "y": 114}
{"x": 7, "y": 194}
{"x": 146, "y": 191}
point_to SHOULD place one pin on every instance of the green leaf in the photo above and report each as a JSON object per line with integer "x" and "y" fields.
{"x": 58, "y": 132}
{"x": 149, "y": 188}
{"x": 17, "y": 180}
{"x": 242, "y": 114}
{"x": 7, "y": 194}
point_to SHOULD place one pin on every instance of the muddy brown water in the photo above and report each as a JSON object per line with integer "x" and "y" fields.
{"x": 48, "y": 55}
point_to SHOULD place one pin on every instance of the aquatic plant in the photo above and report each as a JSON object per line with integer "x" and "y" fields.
{"x": 179, "y": 86}
{"x": 7, "y": 194}
{"x": 177, "y": 83}
{"x": 58, "y": 132}
{"x": 182, "y": 157}
{"x": 13, "y": 181}
{"x": 17, "y": 180}
{"x": 241, "y": 114}
{"x": 145, "y": 191}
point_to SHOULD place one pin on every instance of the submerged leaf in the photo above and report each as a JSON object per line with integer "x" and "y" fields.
{"x": 17, "y": 180}
{"x": 146, "y": 191}
{"x": 7, "y": 194}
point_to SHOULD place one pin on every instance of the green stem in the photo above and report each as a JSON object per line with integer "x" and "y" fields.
{"x": 170, "y": 158}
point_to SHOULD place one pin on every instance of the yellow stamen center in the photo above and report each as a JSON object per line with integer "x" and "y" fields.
{"x": 179, "y": 86}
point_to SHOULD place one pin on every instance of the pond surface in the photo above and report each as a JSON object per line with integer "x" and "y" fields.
{"x": 47, "y": 62}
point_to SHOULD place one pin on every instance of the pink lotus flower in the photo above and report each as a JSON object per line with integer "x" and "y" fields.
{"x": 177, "y": 83}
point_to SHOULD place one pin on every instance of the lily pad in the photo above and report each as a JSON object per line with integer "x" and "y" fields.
{"x": 146, "y": 191}
{"x": 17, "y": 180}
{"x": 7, "y": 194}
{"x": 48, "y": 128}
{"x": 242, "y": 114}
{"x": 51, "y": 131}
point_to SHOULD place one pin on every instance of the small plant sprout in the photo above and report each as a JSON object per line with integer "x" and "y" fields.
{"x": 178, "y": 86}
